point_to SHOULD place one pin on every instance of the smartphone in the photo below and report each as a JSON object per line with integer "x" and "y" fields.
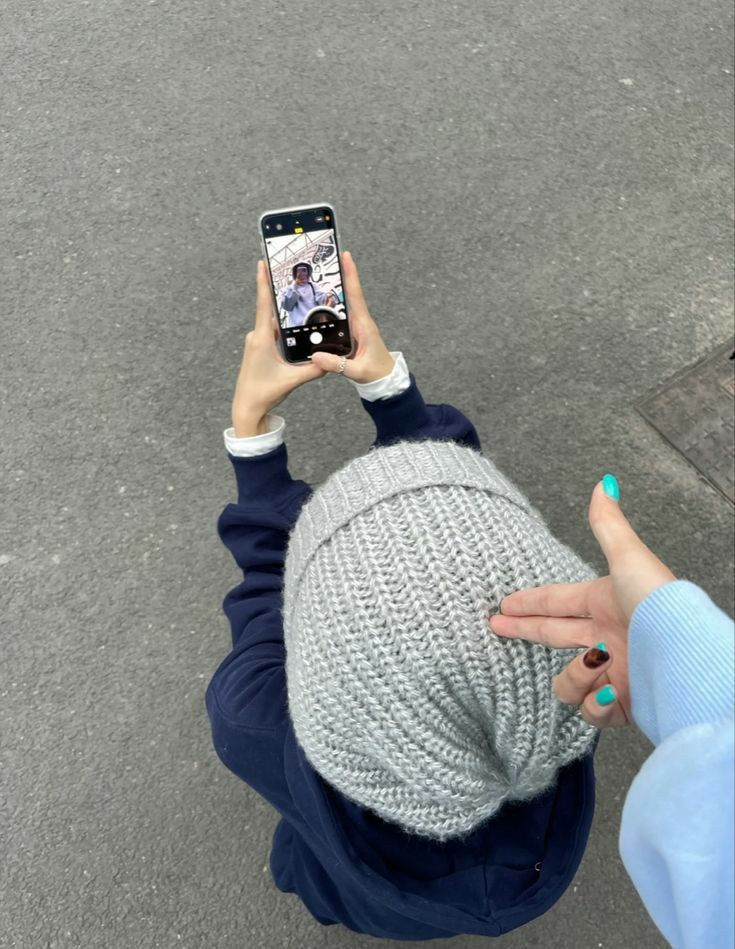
{"x": 300, "y": 247}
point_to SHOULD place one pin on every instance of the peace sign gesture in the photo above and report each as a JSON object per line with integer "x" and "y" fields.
{"x": 566, "y": 615}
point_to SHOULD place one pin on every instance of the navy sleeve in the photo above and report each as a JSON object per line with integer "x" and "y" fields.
{"x": 406, "y": 417}
{"x": 246, "y": 699}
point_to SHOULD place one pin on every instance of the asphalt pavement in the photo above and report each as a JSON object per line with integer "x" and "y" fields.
{"x": 539, "y": 199}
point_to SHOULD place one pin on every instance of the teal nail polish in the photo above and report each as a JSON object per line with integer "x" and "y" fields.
{"x": 605, "y": 696}
{"x": 610, "y": 487}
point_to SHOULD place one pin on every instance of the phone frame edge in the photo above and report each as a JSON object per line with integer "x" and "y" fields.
{"x": 300, "y": 207}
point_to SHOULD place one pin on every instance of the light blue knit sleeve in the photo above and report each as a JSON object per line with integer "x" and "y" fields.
{"x": 396, "y": 381}
{"x": 677, "y": 839}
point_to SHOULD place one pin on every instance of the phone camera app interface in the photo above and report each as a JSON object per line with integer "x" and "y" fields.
{"x": 304, "y": 265}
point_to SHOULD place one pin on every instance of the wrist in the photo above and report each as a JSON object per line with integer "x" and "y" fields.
{"x": 381, "y": 371}
{"x": 250, "y": 424}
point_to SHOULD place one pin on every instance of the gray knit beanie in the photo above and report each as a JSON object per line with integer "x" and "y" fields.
{"x": 401, "y": 696}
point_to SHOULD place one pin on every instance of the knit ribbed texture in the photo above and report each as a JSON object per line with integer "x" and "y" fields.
{"x": 401, "y": 695}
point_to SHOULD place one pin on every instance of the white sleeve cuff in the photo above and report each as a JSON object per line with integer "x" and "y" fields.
{"x": 256, "y": 444}
{"x": 395, "y": 382}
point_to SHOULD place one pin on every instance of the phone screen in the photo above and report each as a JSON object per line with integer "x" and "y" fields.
{"x": 303, "y": 259}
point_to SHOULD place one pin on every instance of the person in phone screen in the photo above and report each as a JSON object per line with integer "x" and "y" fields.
{"x": 299, "y": 297}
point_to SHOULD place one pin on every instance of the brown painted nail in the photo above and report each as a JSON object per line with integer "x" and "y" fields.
{"x": 595, "y": 657}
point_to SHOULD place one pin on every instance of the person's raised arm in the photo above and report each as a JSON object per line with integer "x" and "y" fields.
{"x": 389, "y": 392}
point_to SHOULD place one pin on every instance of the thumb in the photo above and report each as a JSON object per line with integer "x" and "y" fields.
{"x": 330, "y": 362}
{"x": 636, "y": 570}
{"x": 609, "y": 525}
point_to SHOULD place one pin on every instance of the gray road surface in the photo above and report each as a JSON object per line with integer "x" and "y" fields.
{"x": 539, "y": 199}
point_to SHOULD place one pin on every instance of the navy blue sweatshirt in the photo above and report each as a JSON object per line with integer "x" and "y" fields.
{"x": 346, "y": 864}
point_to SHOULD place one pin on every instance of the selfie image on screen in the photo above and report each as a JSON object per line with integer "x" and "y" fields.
{"x": 306, "y": 278}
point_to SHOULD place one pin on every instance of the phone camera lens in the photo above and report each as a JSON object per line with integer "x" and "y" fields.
{"x": 279, "y": 227}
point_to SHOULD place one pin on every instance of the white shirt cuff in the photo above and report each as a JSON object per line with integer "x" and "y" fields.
{"x": 397, "y": 381}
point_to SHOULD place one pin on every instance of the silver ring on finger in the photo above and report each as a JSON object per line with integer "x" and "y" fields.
{"x": 342, "y": 364}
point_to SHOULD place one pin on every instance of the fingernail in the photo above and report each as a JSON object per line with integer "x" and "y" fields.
{"x": 610, "y": 487}
{"x": 596, "y": 656}
{"x": 606, "y": 696}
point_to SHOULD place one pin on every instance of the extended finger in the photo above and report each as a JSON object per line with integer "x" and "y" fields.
{"x": 552, "y": 599}
{"x": 582, "y": 675}
{"x": 554, "y": 632}
{"x": 264, "y": 303}
{"x": 353, "y": 288}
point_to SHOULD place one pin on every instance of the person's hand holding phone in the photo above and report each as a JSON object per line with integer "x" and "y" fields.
{"x": 371, "y": 360}
{"x": 567, "y": 615}
{"x": 265, "y": 378}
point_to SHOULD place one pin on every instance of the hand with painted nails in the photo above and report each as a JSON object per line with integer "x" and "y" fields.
{"x": 595, "y": 614}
